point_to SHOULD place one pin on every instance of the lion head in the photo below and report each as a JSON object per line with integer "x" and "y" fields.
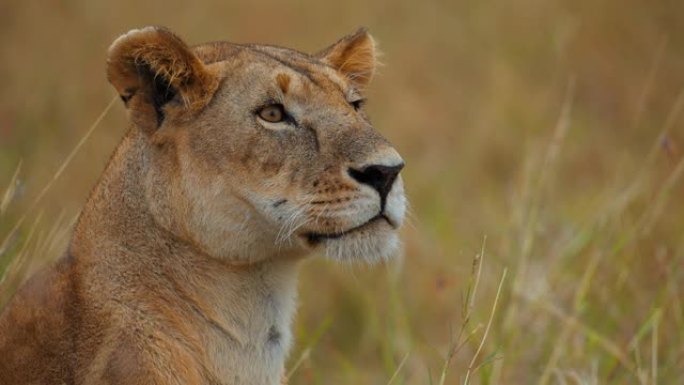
{"x": 257, "y": 152}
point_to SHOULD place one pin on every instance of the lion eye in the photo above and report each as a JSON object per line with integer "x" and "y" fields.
{"x": 274, "y": 113}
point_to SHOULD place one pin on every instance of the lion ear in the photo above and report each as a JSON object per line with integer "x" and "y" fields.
{"x": 354, "y": 56}
{"x": 157, "y": 74}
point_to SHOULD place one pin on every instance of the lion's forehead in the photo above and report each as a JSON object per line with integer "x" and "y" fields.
{"x": 266, "y": 63}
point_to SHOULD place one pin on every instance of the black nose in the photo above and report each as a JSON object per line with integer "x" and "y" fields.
{"x": 380, "y": 177}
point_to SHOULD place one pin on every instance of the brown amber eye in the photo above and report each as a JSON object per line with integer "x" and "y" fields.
{"x": 273, "y": 113}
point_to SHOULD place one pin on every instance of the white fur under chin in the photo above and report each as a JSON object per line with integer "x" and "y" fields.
{"x": 364, "y": 247}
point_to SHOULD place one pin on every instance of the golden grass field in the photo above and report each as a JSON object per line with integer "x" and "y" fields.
{"x": 542, "y": 142}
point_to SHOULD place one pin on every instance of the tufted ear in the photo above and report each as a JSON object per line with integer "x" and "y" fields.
{"x": 354, "y": 56}
{"x": 157, "y": 75}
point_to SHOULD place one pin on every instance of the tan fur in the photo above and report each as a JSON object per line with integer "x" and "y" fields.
{"x": 183, "y": 265}
{"x": 354, "y": 55}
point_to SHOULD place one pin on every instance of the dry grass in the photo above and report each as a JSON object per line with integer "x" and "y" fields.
{"x": 551, "y": 129}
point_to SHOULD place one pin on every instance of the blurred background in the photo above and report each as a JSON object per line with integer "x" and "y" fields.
{"x": 542, "y": 139}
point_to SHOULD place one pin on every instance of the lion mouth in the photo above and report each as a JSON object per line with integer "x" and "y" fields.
{"x": 315, "y": 238}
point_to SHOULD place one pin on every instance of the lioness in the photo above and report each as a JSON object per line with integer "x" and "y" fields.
{"x": 240, "y": 160}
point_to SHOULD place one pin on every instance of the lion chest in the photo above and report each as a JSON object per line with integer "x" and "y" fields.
{"x": 254, "y": 336}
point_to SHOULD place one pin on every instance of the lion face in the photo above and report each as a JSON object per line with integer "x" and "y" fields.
{"x": 258, "y": 151}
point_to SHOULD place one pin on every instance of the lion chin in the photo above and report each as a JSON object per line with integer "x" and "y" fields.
{"x": 375, "y": 241}
{"x": 368, "y": 248}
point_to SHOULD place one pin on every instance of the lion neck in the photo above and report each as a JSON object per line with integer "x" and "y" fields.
{"x": 242, "y": 313}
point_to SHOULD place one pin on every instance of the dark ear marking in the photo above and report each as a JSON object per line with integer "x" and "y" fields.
{"x": 127, "y": 95}
{"x": 162, "y": 93}
{"x": 150, "y": 67}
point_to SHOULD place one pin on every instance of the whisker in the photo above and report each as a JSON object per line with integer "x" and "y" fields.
{"x": 293, "y": 222}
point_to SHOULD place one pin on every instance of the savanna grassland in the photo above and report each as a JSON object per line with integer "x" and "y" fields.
{"x": 544, "y": 168}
